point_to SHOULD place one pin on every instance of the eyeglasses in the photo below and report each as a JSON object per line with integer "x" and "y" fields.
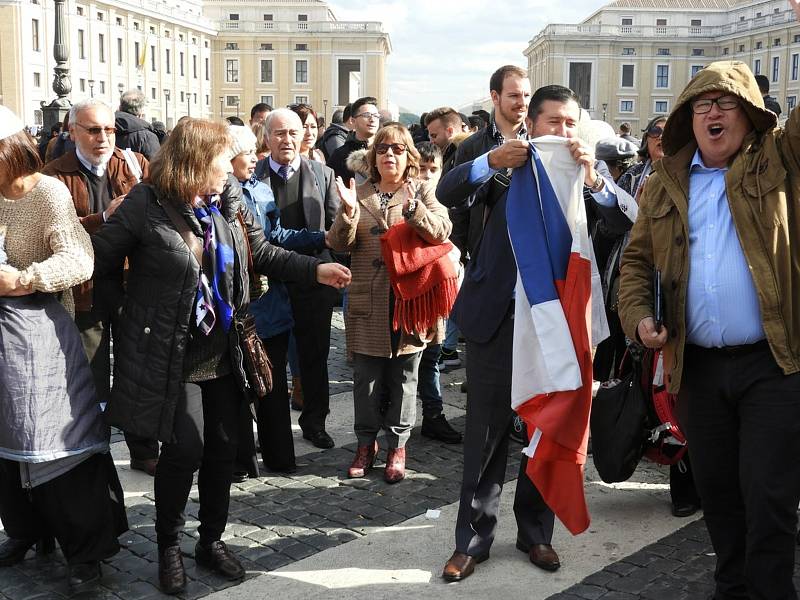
{"x": 396, "y": 148}
{"x": 368, "y": 115}
{"x": 702, "y": 106}
{"x": 656, "y": 131}
{"x": 98, "y": 130}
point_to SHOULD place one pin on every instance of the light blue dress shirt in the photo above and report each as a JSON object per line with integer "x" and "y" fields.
{"x": 721, "y": 300}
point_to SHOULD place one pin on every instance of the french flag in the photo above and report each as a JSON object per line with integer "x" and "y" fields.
{"x": 551, "y": 385}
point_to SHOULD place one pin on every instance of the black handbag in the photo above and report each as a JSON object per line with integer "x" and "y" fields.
{"x": 619, "y": 423}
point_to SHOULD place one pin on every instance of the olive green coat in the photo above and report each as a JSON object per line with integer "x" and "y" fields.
{"x": 763, "y": 189}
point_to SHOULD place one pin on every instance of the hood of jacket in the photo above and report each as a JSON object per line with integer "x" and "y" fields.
{"x": 128, "y": 123}
{"x": 357, "y": 162}
{"x": 732, "y": 77}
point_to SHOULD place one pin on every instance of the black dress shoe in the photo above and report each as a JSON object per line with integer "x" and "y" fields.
{"x": 82, "y": 574}
{"x": 438, "y": 428}
{"x": 13, "y": 551}
{"x": 286, "y": 470}
{"x": 218, "y": 558}
{"x": 320, "y": 438}
{"x": 684, "y": 509}
{"x": 239, "y": 477}
{"x": 171, "y": 574}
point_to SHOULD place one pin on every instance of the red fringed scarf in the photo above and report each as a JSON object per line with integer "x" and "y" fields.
{"x": 423, "y": 278}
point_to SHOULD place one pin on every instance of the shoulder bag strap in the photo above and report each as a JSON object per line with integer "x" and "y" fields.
{"x": 250, "y": 268}
{"x": 185, "y": 232}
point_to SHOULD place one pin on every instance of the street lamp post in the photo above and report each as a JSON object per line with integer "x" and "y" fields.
{"x": 325, "y": 113}
{"x": 55, "y": 111}
{"x": 166, "y": 109}
{"x": 221, "y": 99}
{"x": 605, "y": 109}
{"x": 91, "y": 88}
{"x": 237, "y": 106}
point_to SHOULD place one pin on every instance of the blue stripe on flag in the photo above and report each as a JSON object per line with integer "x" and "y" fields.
{"x": 538, "y": 231}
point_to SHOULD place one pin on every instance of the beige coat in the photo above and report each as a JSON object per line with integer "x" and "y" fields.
{"x": 367, "y": 315}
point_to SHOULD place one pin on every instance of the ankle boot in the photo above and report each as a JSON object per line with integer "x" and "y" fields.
{"x": 395, "y": 465}
{"x": 171, "y": 574}
{"x": 297, "y": 394}
{"x": 363, "y": 461}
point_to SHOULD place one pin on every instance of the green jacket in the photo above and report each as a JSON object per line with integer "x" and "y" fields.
{"x": 763, "y": 189}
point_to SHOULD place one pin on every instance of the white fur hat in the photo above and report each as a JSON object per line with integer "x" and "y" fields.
{"x": 9, "y": 123}
{"x": 242, "y": 139}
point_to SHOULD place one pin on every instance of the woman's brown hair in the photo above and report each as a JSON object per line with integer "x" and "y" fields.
{"x": 180, "y": 169}
{"x": 399, "y": 133}
{"x": 19, "y": 156}
{"x": 262, "y": 144}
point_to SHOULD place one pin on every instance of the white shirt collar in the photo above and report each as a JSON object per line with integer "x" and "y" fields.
{"x": 294, "y": 166}
{"x": 98, "y": 170}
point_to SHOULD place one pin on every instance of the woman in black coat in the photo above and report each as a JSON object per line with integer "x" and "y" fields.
{"x": 178, "y": 372}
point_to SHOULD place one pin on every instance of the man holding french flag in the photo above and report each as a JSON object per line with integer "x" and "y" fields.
{"x": 525, "y": 309}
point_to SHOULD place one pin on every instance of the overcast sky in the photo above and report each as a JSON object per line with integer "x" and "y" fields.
{"x": 443, "y": 51}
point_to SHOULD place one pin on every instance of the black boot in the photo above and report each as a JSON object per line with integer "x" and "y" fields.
{"x": 438, "y": 428}
{"x": 83, "y": 573}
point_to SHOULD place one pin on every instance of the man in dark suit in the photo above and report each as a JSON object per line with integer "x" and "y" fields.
{"x": 485, "y": 307}
{"x": 305, "y": 194}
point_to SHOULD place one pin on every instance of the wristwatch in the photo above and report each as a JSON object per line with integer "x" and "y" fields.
{"x": 598, "y": 183}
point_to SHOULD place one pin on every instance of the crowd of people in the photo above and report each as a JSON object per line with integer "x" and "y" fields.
{"x": 123, "y": 244}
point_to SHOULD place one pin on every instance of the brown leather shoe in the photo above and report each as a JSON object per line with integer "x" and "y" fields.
{"x": 395, "y": 469}
{"x": 460, "y": 566}
{"x": 171, "y": 574}
{"x": 362, "y": 463}
{"x": 148, "y": 465}
{"x": 544, "y": 557}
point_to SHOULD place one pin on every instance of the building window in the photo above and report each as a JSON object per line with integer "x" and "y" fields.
{"x": 725, "y": 51}
{"x": 231, "y": 100}
{"x": 301, "y": 99}
{"x": 169, "y": 61}
{"x": 628, "y": 51}
{"x": 797, "y": 38}
{"x": 102, "y": 87}
{"x": 180, "y": 59}
{"x": 82, "y": 85}
{"x": 194, "y": 66}
{"x": 267, "y": 17}
{"x": 301, "y": 71}
{"x": 207, "y": 70}
{"x": 136, "y": 25}
{"x": 302, "y": 18}
{"x": 698, "y": 52}
{"x": 268, "y": 100}
{"x": 233, "y": 17}
{"x": 37, "y": 80}
{"x": 741, "y": 48}
{"x": 696, "y": 23}
{"x": 627, "y": 21}
{"x": 266, "y": 71}
{"x": 791, "y": 102}
{"x": 152, "y": 30}
{"x": 627, "y": 76}
{"x": 79, "y": 11}
{"x": 795, "y": 66}
{"x": 776, "y": 68}
{"x": 231, "y": 46}
{"x": 232, "y": 70}
{"x": 661, "y": 107}
{"x": 100, "y": 16}
{"x": 205, "y": 44}
{"x": 152, "y": 59}
{"x": 266, "y": 46}
{"x": 35, "y": 35}
{"x": 81, "y": 45}
{"x": 662, "y": 76}
{"x": 153, "y": 93}
{"x": 119, "y": 21}
{"x": 626, "y": 106}
{"x": 663, "y": 52}
{"x": 757, "y": 66}
{"x": 301, "y": 47}
{"x": 208, "y": 101}
{"x": 661, "y": 22}
{"x": 101, "y": 46}
{"x": 119, "y": 51}
{"x": 183, "y": 97}
{"x": 180, "y": 37}
{"x": 776, "y": 42}
{"x": 759, "y": 45}
{"x": 696, "y": 69}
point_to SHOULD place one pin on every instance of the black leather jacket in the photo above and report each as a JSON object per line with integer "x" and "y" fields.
{"x": 154, "y": 327}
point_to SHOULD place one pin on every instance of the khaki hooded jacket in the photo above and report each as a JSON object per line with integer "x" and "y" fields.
{"x": 763, "y": 189}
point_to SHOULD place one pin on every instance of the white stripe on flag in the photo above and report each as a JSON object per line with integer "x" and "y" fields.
{"x": 530, "y": 449}
{"x": 544, "y": 357}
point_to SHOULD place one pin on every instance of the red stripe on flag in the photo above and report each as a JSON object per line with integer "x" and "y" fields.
{"x": 563, "y": 417}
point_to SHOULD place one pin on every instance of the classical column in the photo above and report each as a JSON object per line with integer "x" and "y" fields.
{"x": 62, "y": 86}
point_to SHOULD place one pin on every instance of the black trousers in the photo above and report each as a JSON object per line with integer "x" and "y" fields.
{"x": 204, "y": 437}
{"x": 312, "y": 310}
{"x": 83, "y": 509}
{"x": 489, "y": 418}
{"x": 743, "y": 428}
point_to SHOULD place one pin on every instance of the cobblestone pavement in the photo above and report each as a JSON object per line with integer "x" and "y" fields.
{"x": 274, "y": 520}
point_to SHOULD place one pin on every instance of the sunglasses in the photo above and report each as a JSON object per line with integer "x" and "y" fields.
{"x": 98, "y": 130}
{"x": 384, "y": 148}
{"x": 655, "y": 131}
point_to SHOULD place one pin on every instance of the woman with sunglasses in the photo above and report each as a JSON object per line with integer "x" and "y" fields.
{"x": 649, "y": 152}
{"x": 310, "y": 132}
{"x": 385, "y": 359}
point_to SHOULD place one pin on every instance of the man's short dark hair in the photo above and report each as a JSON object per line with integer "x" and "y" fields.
{"x": 484, "y": 115}
{"x": 448, "y": 116}
{"x": 337, "y": 116}
{"x": 558, "y": 93}
{"x": 259, "y": 108}
{"x": 428, "y": 152}
{"x": 625, "y": 128}
{"x": 763, "y": 83}
{"x": 476, "y": 121}
{"x": 362, "y": 102}
{"x": 498, "y": 77}
{"x": 234, "y": 121}
{"x": 347, "y": 113}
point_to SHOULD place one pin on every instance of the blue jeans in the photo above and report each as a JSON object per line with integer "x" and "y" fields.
{"x": 451, "y": 335}
{"x": 428, "y": 386}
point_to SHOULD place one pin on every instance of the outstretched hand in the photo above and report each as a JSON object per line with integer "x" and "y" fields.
{"x": 347, "y": 195}
{"x": 334, "y": 275}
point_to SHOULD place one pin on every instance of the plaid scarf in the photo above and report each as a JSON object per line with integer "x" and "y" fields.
{"x": 214, "y": 297}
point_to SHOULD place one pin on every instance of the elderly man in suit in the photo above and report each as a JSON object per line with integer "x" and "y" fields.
{"x": 305, "y": 193}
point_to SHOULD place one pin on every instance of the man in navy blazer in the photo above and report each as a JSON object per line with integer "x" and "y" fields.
{"x": 484, "y": 308}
